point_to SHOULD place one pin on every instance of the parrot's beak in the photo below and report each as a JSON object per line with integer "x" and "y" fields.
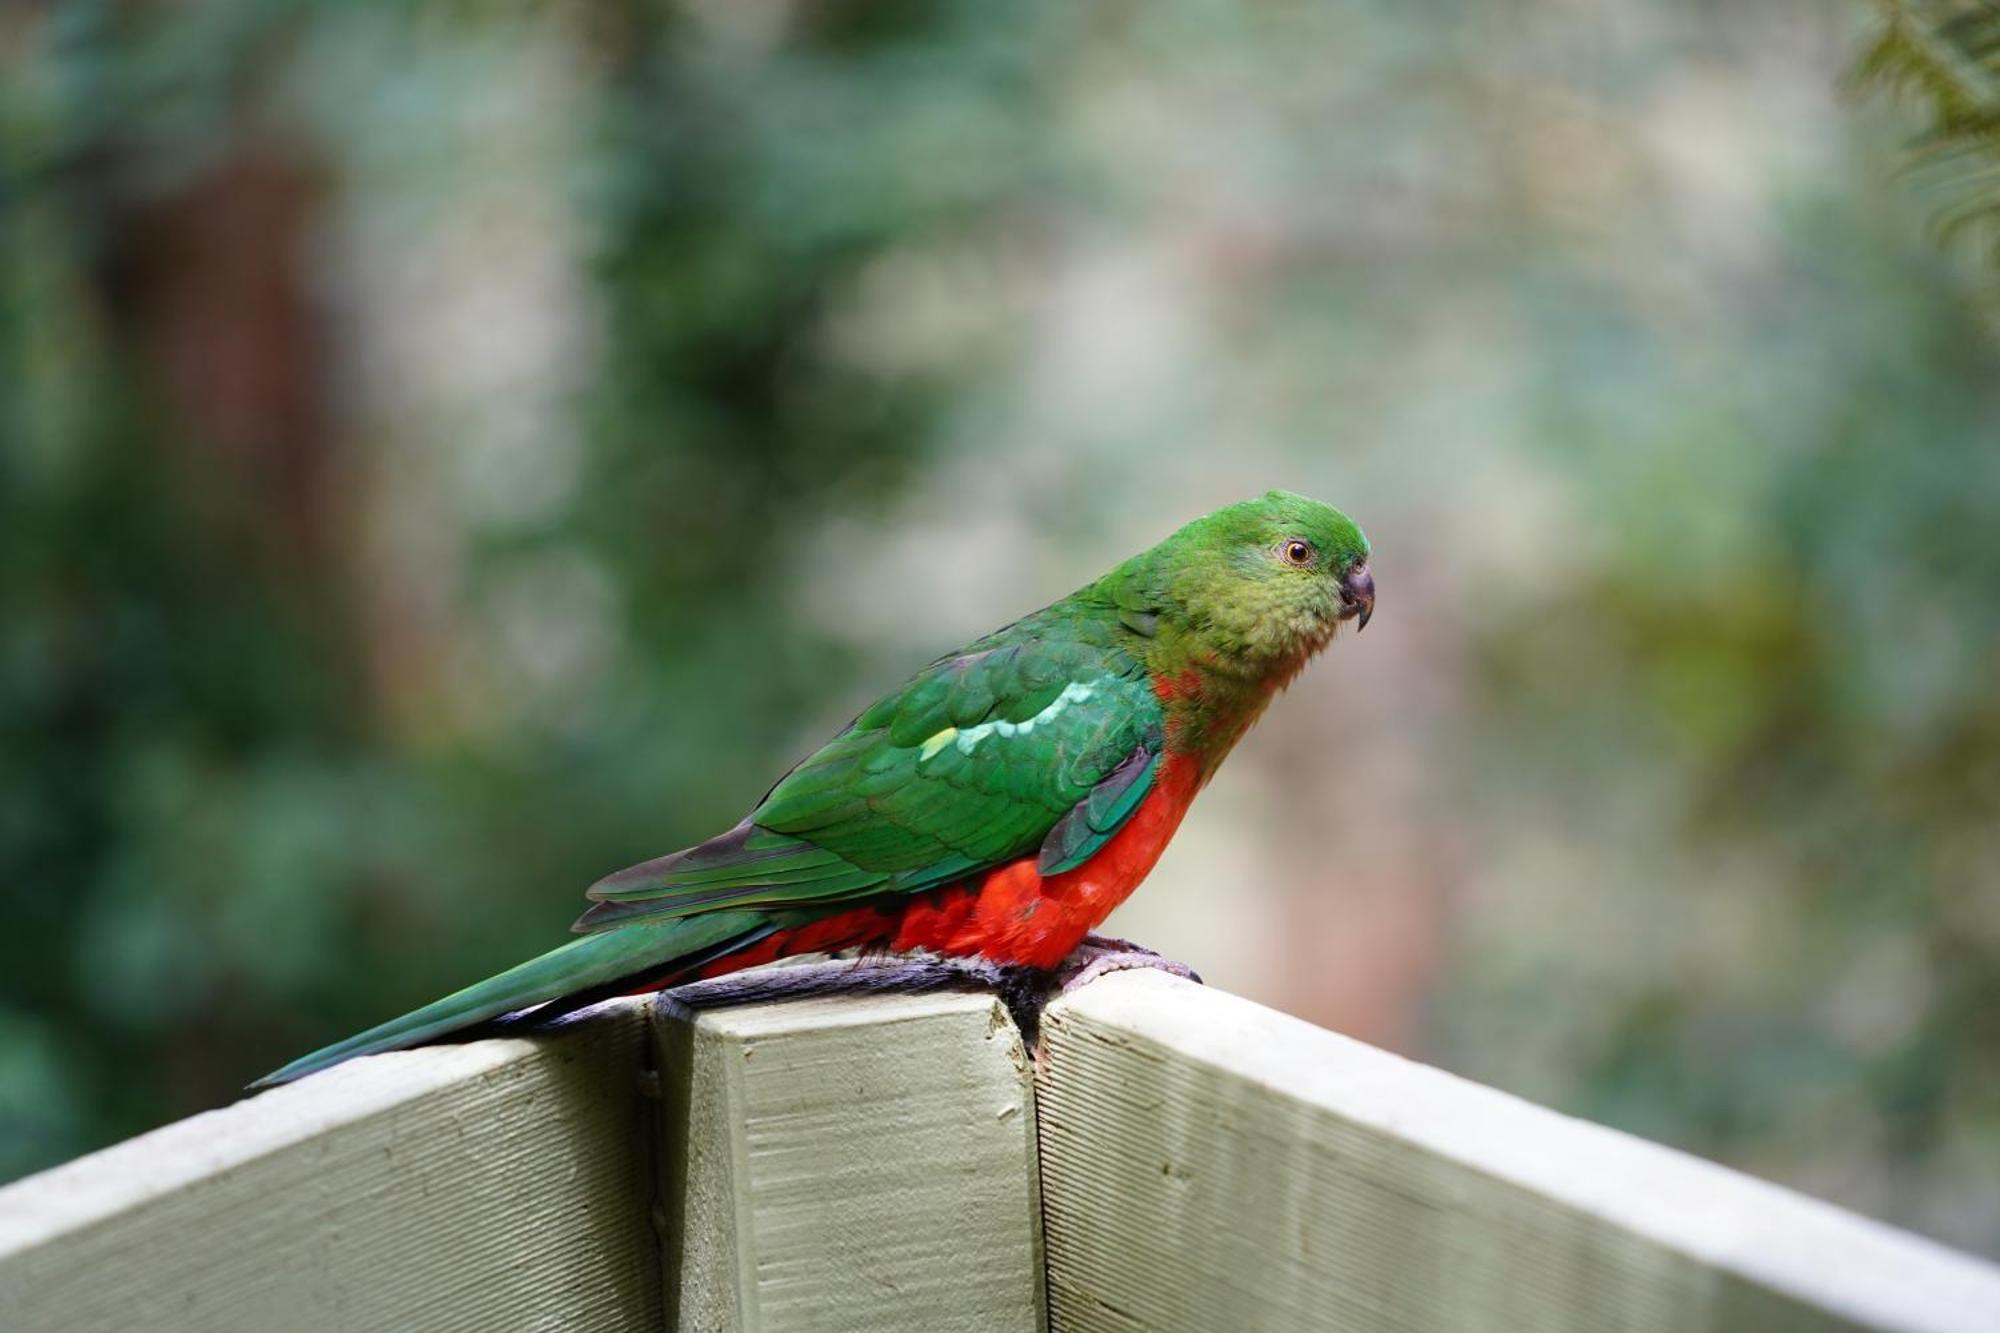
{"x": 1357, "y": 596}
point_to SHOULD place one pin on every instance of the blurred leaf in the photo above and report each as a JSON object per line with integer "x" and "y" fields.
{"x": 1944, "y": 55}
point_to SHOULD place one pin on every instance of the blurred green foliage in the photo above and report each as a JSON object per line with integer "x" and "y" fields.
{"x": 452, "y": 451}
{"x": 1797, "y": 709}
{"x": 221, "y": 837}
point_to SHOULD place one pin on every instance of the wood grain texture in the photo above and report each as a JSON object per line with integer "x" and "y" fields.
{"x": 850, "y": 1163}
{"x": 493, "y": 1185}
{"x": 1210, "y": 1164}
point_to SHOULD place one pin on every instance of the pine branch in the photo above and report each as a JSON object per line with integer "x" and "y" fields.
{"x": 1944, "y": 56}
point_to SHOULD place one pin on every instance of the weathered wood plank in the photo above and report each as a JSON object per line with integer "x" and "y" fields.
{"x": 849, "y": 1163}
{"x": 1209, "y": 1164}
{"x": 493, "y": 1185}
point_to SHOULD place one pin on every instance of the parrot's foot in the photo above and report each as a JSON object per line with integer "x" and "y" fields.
{"x": 1025, "y": 991}
{"x": 1099, "y": 954}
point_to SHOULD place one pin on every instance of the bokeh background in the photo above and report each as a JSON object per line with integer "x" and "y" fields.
{"x": 452, "y": 451}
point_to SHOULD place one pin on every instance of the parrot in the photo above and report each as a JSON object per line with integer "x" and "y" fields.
{"x": 993, "y": 809}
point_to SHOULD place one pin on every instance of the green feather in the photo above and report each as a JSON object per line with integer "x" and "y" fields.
{"x": 580, "y": 965}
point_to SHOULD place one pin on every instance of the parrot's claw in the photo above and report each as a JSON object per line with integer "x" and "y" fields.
{"x": 1112, "y": 944}
{"x": 1098, "y": 955}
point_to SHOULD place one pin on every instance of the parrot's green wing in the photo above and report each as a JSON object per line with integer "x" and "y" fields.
{"x": 1018, "y": 746}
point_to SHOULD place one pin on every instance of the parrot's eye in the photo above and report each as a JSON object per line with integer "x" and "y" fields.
{"x": 1297, "y": 553}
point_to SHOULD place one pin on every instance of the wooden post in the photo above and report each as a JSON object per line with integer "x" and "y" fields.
{"x": 1210, "y": 1164}
{"x": 495, "y": 1185}
{"x": 850, "y": 1163}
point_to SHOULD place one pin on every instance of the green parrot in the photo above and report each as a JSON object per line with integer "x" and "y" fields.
{"x": 992, "y": 810}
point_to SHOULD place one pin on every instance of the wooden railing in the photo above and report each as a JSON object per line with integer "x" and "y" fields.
{"x": 1173, "y": 1158}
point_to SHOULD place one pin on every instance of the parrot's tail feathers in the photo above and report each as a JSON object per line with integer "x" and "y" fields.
{"x": 579, "y": 973}
{"x": 684, "y": 968}
{"x": 746, "y": 867}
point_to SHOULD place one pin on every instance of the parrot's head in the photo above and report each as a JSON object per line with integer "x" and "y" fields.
{"x": 1265, "y": 583}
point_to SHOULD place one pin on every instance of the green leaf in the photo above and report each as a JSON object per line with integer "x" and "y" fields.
{"x": 1944, "y": 56}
